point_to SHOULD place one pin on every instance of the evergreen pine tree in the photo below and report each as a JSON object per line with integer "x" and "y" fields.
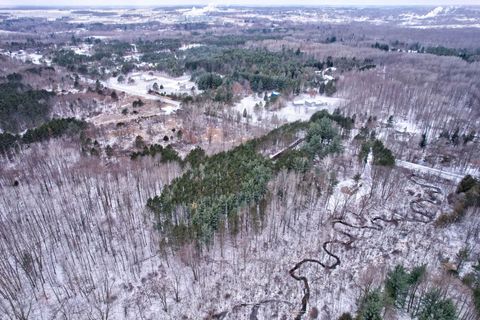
{"x": 396, "y": 286}
{"x": 370, "y": 306}
{"x": 423, "y": 142}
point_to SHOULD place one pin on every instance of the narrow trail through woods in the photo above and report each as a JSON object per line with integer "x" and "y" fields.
{"x": 421, "y": 215}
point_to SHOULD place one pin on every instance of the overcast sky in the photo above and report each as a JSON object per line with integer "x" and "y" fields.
{"x": 232, "y": 2}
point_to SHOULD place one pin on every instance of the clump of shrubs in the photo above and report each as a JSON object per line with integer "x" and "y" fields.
{"x": 346, "y": 316}
{"x": 466, "y": 195}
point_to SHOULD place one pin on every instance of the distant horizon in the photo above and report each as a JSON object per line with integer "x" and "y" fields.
{"x": 231, "y": 6}
{"x": 29, "y": 4}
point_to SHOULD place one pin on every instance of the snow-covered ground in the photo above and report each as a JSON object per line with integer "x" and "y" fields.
{"x": 423, "y": 17}
{"x": 8, "y": 32}
{"x": 106, "y": 243}
{"x": 190, "y": 46}
{"x": 404, "y": 125}
{"x": 170, "y": 109}
{"x": 143, "y": 81}
{"x": 83, "y": 49}
{"x": 132, "y": 57}
{"x": 301, "y": 108}
{"x": 25, "y": 56}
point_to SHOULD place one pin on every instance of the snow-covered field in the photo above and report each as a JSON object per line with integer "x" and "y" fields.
{"x": 25, "y": 56}
{"x": 143, "y": 81}
{"x": 301, "y": 108}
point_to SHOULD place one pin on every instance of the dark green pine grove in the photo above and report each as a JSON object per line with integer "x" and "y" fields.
{"x": 167, "y": 153}
{"x": 215, "y": 187}
{"x": 382, "y": 156}
{"x": 51, "y": 129}
{"x": 401, "y": 292}
{"x": 21, "y": 106}
{"x": 192, "y": 206}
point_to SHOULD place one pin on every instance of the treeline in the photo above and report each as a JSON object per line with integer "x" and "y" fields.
{"x": 51, "y": 129}
{"x": 39, "y": 70}
{"x": 406, "y": 291}
{"x": 287, "y": 71}
{"x": 264, "y": 70}
{"x": 381, "y": 46}
{"x": 94, "y": 13}
{"x": 469, "y": 55}
{"x": 147, "y": 46}
{"x": 108, "y": 54}
{"x": 465, "y": 54}
{"x": 241, "y": 39}
{"x": 167, "y": 154}
{"x": 21, "y": 106}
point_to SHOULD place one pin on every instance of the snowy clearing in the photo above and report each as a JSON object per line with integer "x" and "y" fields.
{"x": 144, "y": 81}
{"x": 24, "y": 56}
{"x": 301, "y": 108}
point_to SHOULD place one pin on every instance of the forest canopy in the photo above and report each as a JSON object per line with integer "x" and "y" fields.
{"x": 216, "y": 187}
{"x": 21, "y": 106}
{"x": 50, "y": 129}
{"x": 193, "y": 204}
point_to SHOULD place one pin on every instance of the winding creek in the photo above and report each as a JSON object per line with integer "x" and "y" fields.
{"x": 421, "y": 215}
